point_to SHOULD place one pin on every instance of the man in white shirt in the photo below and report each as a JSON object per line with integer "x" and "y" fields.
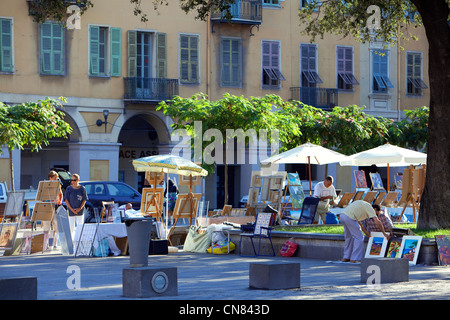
{"x": 326, "y": 193}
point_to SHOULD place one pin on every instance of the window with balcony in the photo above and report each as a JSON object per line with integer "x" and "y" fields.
{"x": 414, "y": 82}
{"x": 271, "y": 73}
{"x": 6, "y": 45}
{"x": 104, "y": 51}
{"x": 308, "y": 65}
{"x": 52, "y": 55}
{"x": 231, "y": 64}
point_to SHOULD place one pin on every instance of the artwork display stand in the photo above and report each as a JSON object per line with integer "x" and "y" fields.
{"x": 269, "y": 188}
{"x": 412, "y": 188}
{"x": 11, "y": 219}
{"x": 44, "y": 209}
{"x": 296, "y": 194}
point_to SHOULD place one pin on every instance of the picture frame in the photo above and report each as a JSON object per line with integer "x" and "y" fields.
{"x": 389, "y": 199}
{"x": 377, "y": 183}
{"x": 275, "y": 196}
{"x": 345, "y": 200}
{"x": 398, "y": 181}
{"x": 379, "y": 197}
{"x": 297, "y": 196}
{"x": 370, "y": 196}
{"x": 410, "y": 248}
{"x": 43, "y": 211}
{"x": 294, "y": 179}
{"x": 376, "y": 247}
{"x": 185, "y": 180}
{"x": 443, "y": 245}
{"x": 358, "y": 195}
{"x": 360, "y": 179}
{"x": 183, "y": 208}
{"x": 8, "y": 233}
{"x": 14, "y": 204}
{"x": 253, "y": 195}
{"x": 151, "y": 198}
{"x": 150, "y": 177}
{"x": 256, "y": 179}
{"x": 48, "y": 190}
{"x": 393, "y": 250}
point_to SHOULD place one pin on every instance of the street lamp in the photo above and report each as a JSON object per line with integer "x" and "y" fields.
{"x": 100, "y": 122}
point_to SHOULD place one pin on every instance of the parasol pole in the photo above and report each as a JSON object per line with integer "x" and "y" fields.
{"x": 388, "y": 185}
{"x": 167, "y": 203}
{"x": 309, "y": 169}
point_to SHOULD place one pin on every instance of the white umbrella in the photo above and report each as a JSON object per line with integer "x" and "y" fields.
{"x": 386, "y": 155}
{"x": 169, "y": 163}
{"x": 307, "y": 153}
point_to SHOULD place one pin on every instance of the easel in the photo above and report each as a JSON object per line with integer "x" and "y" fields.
{"x": 44, "y": 208}
{"x": 297, "y": 183}
{"x": 413, "y": 185}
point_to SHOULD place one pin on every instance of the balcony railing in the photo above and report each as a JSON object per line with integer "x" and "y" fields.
{"x": 323, "y": 98}
{"x": 243, "y": 11}
{"x": 150, "y": 89}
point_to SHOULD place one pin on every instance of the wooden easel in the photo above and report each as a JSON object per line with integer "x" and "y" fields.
{"x": 44, "y": 208}
{"x": 413, "y": 185}
{"x": 285, "y": 203}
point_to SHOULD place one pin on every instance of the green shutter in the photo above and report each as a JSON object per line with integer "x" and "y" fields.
{"x": 161, "y": 55}
{"x": 6, "y": 49}
{"x": 52, "y": 49}
{"x": 94, "y": 50}
{"x": 132, "y": 53}
{"x": 115, "y": 51}
{"x": 189, "y": 59}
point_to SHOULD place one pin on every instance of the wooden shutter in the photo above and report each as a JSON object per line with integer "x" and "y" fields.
{"x": 116, "y": 44}
{"x": 6, "y": 49}
{"x": 52, "y": 48}
{"x": 94, "y": 50}
{"x": 132, "y": 53}
{"x": 161, "y": 55}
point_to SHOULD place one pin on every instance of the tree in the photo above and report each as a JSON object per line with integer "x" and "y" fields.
{"x": 216, "y": 125}
{"x": 31, "y": 124}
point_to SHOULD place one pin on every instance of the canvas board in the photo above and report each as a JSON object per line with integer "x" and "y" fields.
{"x": 43, "y": 211}
{"x": 398, "y": 181}
{"x": 7, "y": 235}
{"x": 150, "y": 199}
{"x": 410, "y": 247}
{"x": 389, "y": 199}
{"x": 443, "y": 245}
{"x": 14, "y": 203}
{"x": 294, "y": 179}
{"x": 345, "y": 200}
{"x": 377, "y": 183}
{"x": 297, "y": 196}
{"x": 256, "y": 179}
{"x": 393, "y": 249}
{"x": 370, "y": 196}
{"x": 376, "y": 247}
{"x": 48, "y": 190}
{"x": 253, "y": 195}
{"x": 380, "y": 197}
{"x": 360, "y": 179}
{"x": 185, "y": 180}
{"x": 183, "y": 207}
{"x": 358, "y": 195}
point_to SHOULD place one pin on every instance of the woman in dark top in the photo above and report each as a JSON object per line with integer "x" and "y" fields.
{"x": 75, "y": 197}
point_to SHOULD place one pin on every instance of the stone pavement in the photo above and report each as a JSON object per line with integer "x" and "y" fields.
{"x": 220, "y": 277}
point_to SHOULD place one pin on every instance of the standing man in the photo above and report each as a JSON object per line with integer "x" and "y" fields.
{"x": 354, "y": 240}
{"x": 76, "y": 197}
{"x": 326, "y": 193}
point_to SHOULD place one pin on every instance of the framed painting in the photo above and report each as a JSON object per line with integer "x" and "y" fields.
{"x": 393, "y": 249}
{"x": 152, "y": 201}
{"x": 7, "y": 235}
{"x": 185, "y": 180}
{"x": 377, "y": 183}
{"x": 443, "y": 245}
{"x": 297, "y": 196}
{"x": 294, "y": 179}
{"x": 410, "y": 247}
{"x": 376, "y": 248}
{"x": 360, "y": 179}
{"x": 398, "y": 181}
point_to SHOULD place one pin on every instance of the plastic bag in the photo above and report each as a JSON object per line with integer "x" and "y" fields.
{"x": 102, "y": 250}
{"x": 221, "y": 247}
{"x": 288, "y": 249}
{"x": 197, "y": 240}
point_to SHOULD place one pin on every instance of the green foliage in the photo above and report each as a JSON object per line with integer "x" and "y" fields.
{"x": 412, "y": 131}
{"x": 42, "y": 10}
{"x": 32, "y": 124}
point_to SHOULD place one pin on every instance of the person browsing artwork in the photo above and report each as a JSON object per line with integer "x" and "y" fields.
{"x": 326, "y": 192}
{"x": 76, "y": 198}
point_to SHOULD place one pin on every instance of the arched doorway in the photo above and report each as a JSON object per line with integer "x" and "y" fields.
{"x": 141, "y": 135}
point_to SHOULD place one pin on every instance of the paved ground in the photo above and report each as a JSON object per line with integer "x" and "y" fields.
{"x": 220, "y": 277}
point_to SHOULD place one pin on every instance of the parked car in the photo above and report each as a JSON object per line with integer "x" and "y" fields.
{"x": 116, "y": 191}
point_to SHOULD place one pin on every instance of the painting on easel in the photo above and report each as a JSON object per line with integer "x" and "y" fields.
{"x": 360, "y": 179}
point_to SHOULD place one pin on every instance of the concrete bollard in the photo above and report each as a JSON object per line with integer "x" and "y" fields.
{"x": 18, "y": 288}
{"x": 149, "y": 282}
{"x": 274, "y": 276}
{"x": 384, "y": 270}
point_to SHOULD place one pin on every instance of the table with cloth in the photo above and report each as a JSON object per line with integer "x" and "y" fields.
{"x": 105, "y": 230}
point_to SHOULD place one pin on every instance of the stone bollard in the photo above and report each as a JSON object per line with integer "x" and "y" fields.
{"x": 149, "y": 282}
{"x": 274, "y": 275}
{"x": 384, "y": 270}
{"x": 18, "y": 288}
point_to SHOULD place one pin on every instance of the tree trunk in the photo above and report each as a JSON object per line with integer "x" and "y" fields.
{"x": 11, "y": 170}
{"x": 435, "y": 204}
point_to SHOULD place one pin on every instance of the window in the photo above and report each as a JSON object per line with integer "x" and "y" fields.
{"x": 414, "y": 80}
{"x": 52, "y": 55}
{"x": 189, "y": 59}
{"x": 381, "y": 81}
{"x": 308, "y": 65}
{"x": 141, "y": 62}
{"x": 272, "y": 2}
{"x": 104, "y": 51}
{"x": 344, "y": 62}
{"x": 231, "y": 62}
{"x": 6, "y": 45}
{"x": 271, "y": 74}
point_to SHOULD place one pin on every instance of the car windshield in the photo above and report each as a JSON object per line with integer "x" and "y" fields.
{"x": 95, "y": 189}
{"x": 117, "y": 189}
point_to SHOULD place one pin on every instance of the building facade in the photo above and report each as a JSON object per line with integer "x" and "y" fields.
{"x": 114, "y": 69}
